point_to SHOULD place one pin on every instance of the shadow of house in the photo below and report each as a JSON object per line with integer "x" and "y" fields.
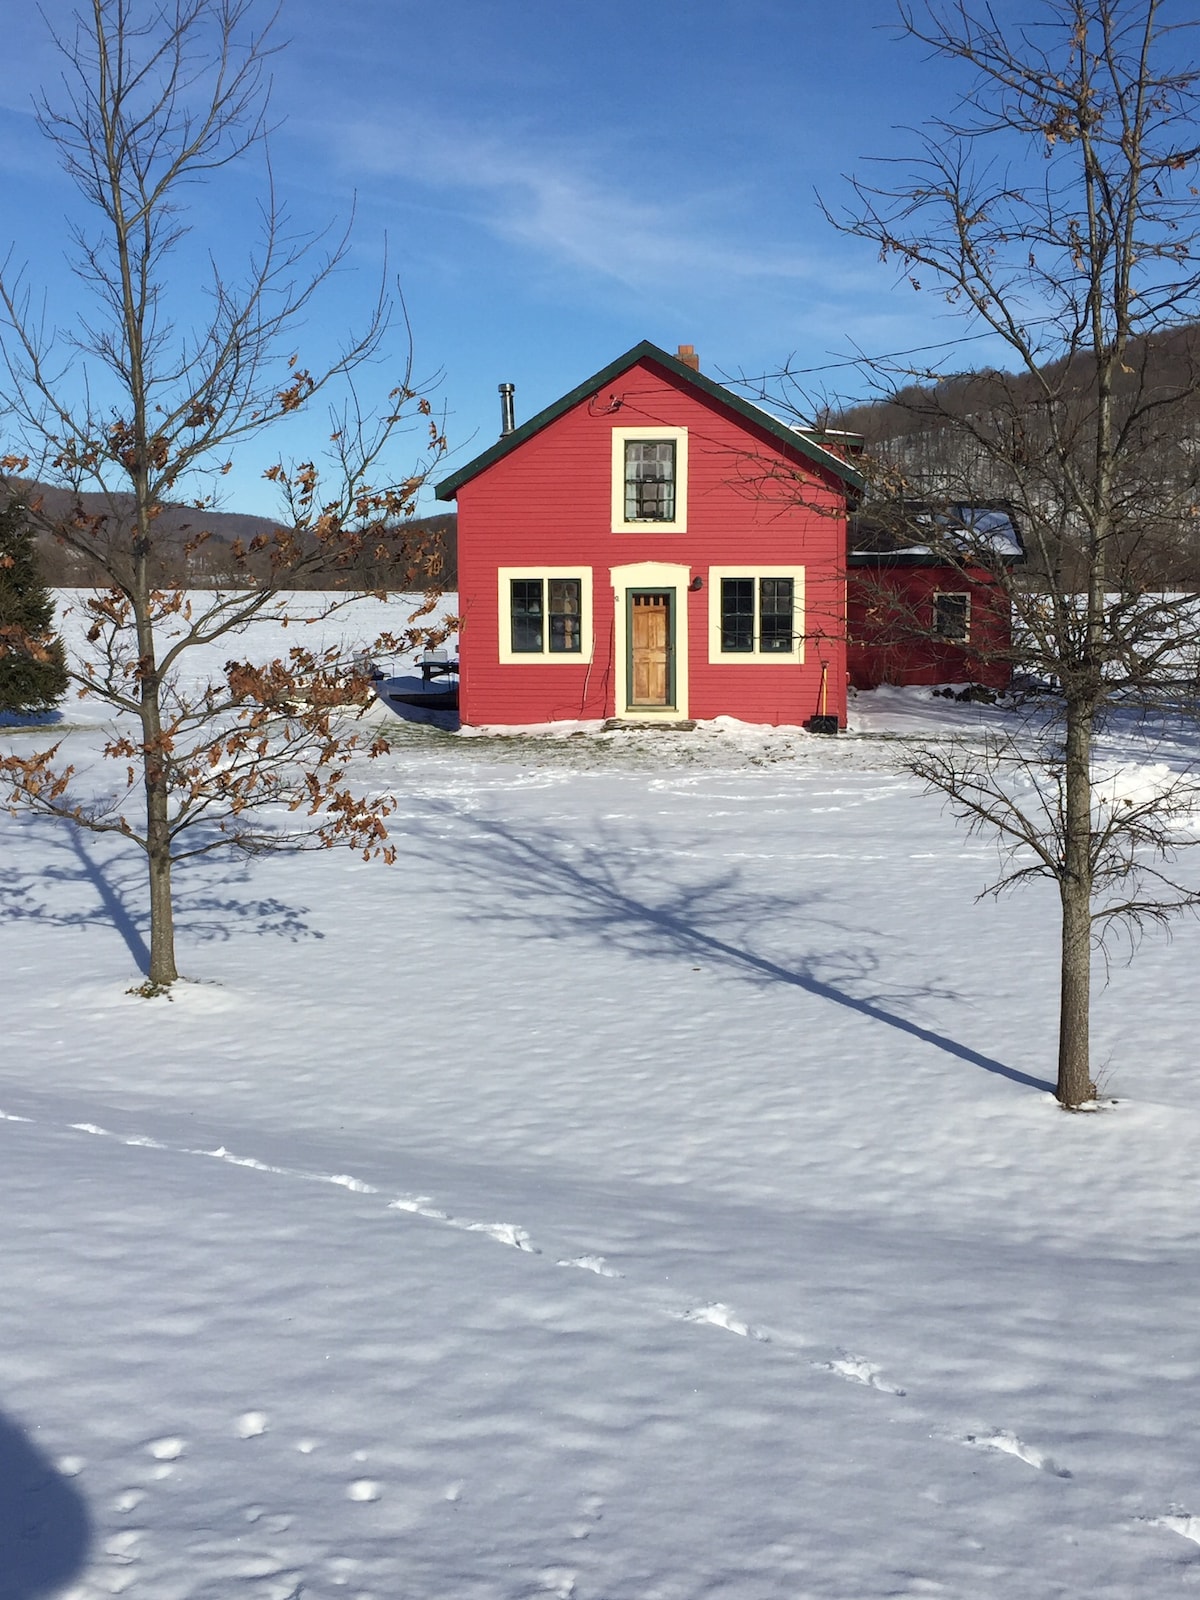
{"x": 45, "y": 1531}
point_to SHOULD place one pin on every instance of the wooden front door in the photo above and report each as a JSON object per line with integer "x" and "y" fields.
{"x": 650, "y": 649}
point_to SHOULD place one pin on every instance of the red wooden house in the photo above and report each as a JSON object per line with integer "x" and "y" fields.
{"x": 652, "y": 548}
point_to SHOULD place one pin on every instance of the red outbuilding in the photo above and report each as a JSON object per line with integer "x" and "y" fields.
{"x": 927, "y": 599}
{"x": 652, "y": 548}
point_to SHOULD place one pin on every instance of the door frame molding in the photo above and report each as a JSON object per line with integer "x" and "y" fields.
{"x": 657, "y": 576}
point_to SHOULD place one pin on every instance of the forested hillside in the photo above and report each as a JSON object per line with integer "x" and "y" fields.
{"x": 200, "y": 547}
{"x": 995, "y": 435}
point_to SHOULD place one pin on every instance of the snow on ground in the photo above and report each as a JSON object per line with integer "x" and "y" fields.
{"x": 647, "y": 1189}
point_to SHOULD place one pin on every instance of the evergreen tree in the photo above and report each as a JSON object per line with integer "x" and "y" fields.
{"x": 33, "y": 672}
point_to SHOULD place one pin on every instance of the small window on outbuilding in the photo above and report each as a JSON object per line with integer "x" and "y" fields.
{"x": 952, "y": 617}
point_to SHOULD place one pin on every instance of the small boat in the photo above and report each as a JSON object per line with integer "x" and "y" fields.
{"x": 426, "y": 699}
{"x": 396, "y": 692}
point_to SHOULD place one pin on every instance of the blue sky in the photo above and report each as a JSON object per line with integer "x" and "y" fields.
{"x": 555, "y": 182}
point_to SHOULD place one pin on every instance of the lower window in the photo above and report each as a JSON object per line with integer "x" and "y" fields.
{"x": 758, "y": 615}
{"x": 546, "y": 613}
{"x": 952, "y": 617}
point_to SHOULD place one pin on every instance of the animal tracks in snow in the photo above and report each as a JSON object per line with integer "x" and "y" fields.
{"x": 720, "y": 1316}
{"x": 508, "y": 1233}
{"x": 842, "y": 1364}
{"x": 245, "y": 1558}
{"x": 853, "y": 1368}
{"x": 1008, "y": 1444}
{"x": 1178, "y": 1522}
{"x": 859, "y": 1371}
{"x": 420, "y": 1206}
{"x": 504, "y": 1233}
{"x": 591, "y": 1512}
{"x": 169, "y": 1449}
{"x": 596, "y": 1264}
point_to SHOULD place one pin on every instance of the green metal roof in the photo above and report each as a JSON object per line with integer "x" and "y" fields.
{"x": 799, "y": 442}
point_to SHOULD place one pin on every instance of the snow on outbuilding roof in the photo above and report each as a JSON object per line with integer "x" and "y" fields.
{"x": 960, "y": 528}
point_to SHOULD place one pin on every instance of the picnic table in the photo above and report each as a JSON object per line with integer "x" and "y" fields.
{"x": 437, "y": 664}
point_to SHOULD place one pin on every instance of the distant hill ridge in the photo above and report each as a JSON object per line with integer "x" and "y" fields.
{"x": 1167, "y": 364}
{"x": 178, "y": 523}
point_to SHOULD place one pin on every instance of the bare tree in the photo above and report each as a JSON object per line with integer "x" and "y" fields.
{"x": 138, "y": 406}
{"x": 1056, "y": 208}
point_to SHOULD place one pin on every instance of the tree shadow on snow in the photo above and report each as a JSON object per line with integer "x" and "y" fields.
{"x": 116, "y": 875}
{"x": 45, "y": 1530}
{"x": 609, "y": 889}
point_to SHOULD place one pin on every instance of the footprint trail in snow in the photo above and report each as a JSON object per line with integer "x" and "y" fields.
{"x": 851, "y": 1368}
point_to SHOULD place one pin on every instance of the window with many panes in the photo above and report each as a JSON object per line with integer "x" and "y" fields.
{"x": 758, "y": 614}
{"x": 546, "y": 615}
{"x": 737, "y": 615}
{"x": 952, "y": 617}
{"x": 776, "y": 614}
{"x": 649, "y": 480}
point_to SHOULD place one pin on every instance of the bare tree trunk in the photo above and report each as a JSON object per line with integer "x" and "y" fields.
{"x": 162, "y": 911}
{"x": 1075, "y": 888}
{"x": 158, "y": 831}
{"x": 156, "y": 781}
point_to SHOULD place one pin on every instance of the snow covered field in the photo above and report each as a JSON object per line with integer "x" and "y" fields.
{"x": 647, "y": 1189}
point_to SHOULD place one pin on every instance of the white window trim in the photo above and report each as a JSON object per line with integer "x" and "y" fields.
{"x": 620, "y": 436}
{"x": 755, "y": 657}
{"x": 963, "y": 638}
{"x": 544, "y": 657}
{"x": 650, "y": 575}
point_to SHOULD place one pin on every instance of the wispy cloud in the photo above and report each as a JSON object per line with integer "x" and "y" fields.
{"x": 557, "y": 206}
{"x": 759, "y": 272}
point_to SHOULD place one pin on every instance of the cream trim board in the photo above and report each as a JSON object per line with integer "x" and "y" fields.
{"x": 679, "y": 437}
{"x": 544, "y": 657}
{"x": 650, "y": 575}
{"x": 726, "y": 658}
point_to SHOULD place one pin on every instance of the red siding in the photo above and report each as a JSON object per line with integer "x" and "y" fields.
{"x": 749, "y": 504}
{"x": 890, "y": 613}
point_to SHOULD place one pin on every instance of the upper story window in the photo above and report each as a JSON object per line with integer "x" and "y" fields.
{"x": 649, "y": 480}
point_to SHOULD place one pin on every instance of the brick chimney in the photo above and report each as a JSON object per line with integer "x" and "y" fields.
{"x": 687, "y": 354}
